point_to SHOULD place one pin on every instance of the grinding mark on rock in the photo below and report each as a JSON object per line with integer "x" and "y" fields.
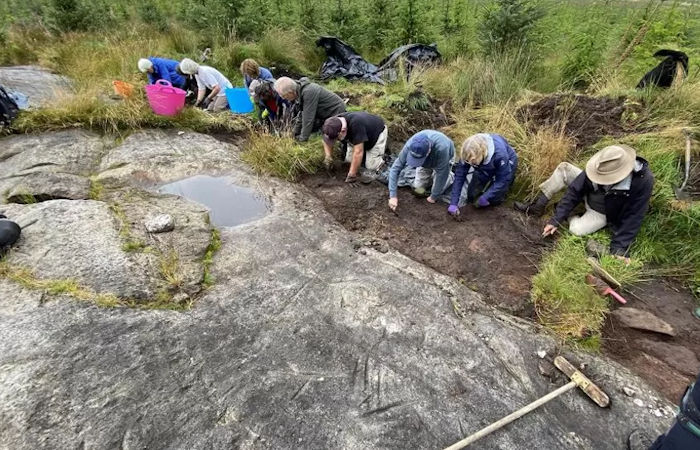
{"x": 426, "y": 427}
{"x": 298, "y": 392}
{"x": 379, "y": 386}
{"x": 9, "y": 155}
{"x": 506, "y": 366}
{"x": 366, "y": 371}
{"x": 365, "y": 400}
{"x": 356, "y": 371}
{"x": 44, "y": 164}
{"x": 384, "y": 408}
{"x": 461, "y": 428}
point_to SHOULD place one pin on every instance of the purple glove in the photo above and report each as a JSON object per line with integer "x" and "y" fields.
{"x": 453, "y": 209}
{"x": 482, "y": 202}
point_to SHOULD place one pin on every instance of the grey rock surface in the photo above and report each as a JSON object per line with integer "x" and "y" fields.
{"x": 26, "y": 160}
{"x": 161, "y": 223}
{"x": 39, "y": 84}
{"x": 160, "y": 156}
{"x": 304, "y": 342}
{"x": 39, "y": 186}
{"x": 76, "y": 240}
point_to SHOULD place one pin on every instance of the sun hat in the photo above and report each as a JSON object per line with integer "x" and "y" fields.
{"x": 188, "y": 67}
{"x": 418, "y": 150}
{"x": 611, "y": 165}
{"x": 145, "y": 64}
{"x": 331, "y": 129}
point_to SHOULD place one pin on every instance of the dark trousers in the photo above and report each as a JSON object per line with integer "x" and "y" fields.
{"x": 677, "y": 438}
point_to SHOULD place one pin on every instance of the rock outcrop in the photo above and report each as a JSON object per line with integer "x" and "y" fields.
{"x": 37, "y": 83}
{"x": 304, "y": 341}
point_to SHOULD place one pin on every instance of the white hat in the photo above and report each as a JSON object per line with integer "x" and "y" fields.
{"x": 611, "y": 165}
{"x": 145, "y": 64}
{"x": 188, "y": 67}
{"x": 253, "y": 84}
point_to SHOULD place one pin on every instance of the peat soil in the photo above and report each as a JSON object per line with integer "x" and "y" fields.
{"x": 585, "y": 119}
{"x": 493, "y": 251}
{"x": 667, "y": 363}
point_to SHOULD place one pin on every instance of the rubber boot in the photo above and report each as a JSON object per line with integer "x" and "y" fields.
{"x": 536, "y": 208}
{"x": 638, "y": 440}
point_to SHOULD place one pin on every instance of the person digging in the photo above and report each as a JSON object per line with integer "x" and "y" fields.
{"x": 362, "y": 135}
{"x": 490, "y": 165}
{"x": 431, "y": 154}
{"x": 616, "y": 187}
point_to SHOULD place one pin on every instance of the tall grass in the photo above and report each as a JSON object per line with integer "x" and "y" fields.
{"x": 282, "y": 157}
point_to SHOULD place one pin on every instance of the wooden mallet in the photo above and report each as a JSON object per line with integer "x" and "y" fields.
{"x": 577, "y": 379}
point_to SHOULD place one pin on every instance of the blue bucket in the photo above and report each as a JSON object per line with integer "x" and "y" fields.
{"x": 239, "y": 100}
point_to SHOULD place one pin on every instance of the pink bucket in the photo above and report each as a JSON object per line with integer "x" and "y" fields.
{"x": 165, "y": 100}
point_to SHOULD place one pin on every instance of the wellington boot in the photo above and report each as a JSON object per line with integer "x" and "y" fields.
{"x": 535, "y": 209}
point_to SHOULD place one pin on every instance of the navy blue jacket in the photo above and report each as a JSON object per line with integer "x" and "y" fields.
{"x": 500, "y": 171}
{"x": 624, "y": 209}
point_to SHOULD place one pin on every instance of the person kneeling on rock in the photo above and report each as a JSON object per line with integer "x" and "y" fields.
{"x": 429, "y": 155}
{"x": 207, "y": 78}
{"x": 615, "y": 187}
{"x": 363, "y": 136}
{"x": 490, "y": 164}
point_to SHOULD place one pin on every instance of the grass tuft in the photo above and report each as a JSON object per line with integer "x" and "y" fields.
{"x": 282, "y": 157}
{"x": 208, "y": 260}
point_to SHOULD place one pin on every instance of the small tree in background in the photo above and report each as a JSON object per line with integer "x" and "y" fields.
{"x": 511, "y": 24}
{"x": 412, "y": 23}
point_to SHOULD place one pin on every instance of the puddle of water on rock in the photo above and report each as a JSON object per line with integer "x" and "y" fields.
{"x": 229, "y": 205}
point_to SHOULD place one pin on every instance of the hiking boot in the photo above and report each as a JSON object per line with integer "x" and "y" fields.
{"x": 535, "y": 209}
{"x": 638, "y": 440}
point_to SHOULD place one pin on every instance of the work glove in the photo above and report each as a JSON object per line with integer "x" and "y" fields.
{"x": 482, "y": 202}
{"x": 453, "y": 210}
{"x": 420, "y": 192}
{"x": 351, "y": 179}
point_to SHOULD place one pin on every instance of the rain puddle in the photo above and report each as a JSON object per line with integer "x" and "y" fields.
{"x": 229, "y": 205}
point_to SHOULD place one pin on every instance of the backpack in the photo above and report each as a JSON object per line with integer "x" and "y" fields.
{"x": 8, "y": 108}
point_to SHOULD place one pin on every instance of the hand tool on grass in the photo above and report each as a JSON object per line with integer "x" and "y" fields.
{"x": 602, "y": 288}
{"x": 577, "y": 379}
{"x": 603, "y": 274}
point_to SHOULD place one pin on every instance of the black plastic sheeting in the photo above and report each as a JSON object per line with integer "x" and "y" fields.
{"x": 343, "y": 61}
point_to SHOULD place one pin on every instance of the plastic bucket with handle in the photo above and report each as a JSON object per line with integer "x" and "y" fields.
{"x": 239, "y": 100}
{"x": 165, "y": 100}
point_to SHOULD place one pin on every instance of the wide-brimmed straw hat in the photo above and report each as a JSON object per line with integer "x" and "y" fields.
{"x": 611, "y": 165}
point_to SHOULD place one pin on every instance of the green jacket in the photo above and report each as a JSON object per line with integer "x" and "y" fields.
{"x": 317, "y": 104}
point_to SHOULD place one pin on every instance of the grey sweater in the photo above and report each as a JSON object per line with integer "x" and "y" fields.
{"x": 317, "y": 104}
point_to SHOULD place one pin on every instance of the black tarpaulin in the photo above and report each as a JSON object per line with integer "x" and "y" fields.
{"x": 343, "y": 61}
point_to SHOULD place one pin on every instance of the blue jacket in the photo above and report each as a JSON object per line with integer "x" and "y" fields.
{"x": 442, "y": 152}
{"x": 499, "y": 169}
{"x": 165, "y": 69}
{"x": 263, "y": 74}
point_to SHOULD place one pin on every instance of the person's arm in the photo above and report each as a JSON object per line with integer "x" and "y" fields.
{"x": 460, "y": 177}
{"x": 328, "y": 150}
{"x": 442, "y": 173}
{"x": 574, "y": 195}
{"x": 498, "y": 189}
{"x": 151, "y": 78}
{"x": 632, "y": 221}
{"x": 214, "y": 92}
{"x": 201, "y": 90}
{"x": 308, "y": 114}
{"x": 246, "y": 81}
{"x": 396, "y": 168}
{"x": 357, "y": 152}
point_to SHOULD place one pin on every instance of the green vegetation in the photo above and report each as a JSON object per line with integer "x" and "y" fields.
{"x": 498, "y": 55}
{"x": 214, "y": 246}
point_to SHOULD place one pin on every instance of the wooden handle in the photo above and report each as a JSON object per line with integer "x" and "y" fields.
{"x": 594, "y": 392}
{"x": 511, "y": 417}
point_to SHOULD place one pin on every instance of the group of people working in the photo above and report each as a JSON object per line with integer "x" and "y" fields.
{"x": 615, "y": 186}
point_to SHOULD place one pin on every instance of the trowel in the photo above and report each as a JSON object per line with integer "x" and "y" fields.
{"x": 602, "y": 288}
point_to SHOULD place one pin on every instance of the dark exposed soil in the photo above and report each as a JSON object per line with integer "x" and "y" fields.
{"x": 585, "y": 119}
{"x": 667, "y": 363}
{"x": 437, "y": 115}
{"x": 493, "y": 251}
